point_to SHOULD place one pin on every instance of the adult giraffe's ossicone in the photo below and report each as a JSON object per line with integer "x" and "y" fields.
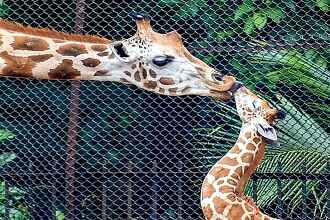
{"x": 152, "y": 61}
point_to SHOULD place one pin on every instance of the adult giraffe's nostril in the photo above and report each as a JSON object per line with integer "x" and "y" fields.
{"x": 217, "y": 76}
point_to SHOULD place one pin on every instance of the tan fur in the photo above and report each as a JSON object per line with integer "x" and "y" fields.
{"x": 45, "y": 32}
{"x": 222, "y": 194}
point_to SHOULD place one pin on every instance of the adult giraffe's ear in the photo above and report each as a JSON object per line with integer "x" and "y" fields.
{"x": 267, "y": 131}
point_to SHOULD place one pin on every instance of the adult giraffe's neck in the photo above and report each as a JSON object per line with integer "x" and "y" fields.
{"x": 232, "y": 171}
{"x": 41, "y": 57}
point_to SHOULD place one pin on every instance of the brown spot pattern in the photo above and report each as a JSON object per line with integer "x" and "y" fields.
{"x": 229, "y": 161}
{"x": 58, "y": 41}
{"x": 226, "y": 189}
{"x": 29, "y": 43}
{"x": 219, "y": 205}
{"x": 166, "y": 81}
{"x": 236, "y": 211}
{"x": 207, "y": 190}
{"x": 220, "y": 172}
{"x": 40, "y": 58}
{"x": 137, "y": 76}
{"x": 133, "y": 66}
{"x": 150, "y": 84}
{"x": 99, "y": 47}
{"x": 207, "y": 211}
{"x": 64, "y": 71}
{"x": 152, "y": 73}
{"x": 247, "y": 157}
{"x": 250, "y": 146}
{"x": 103, "y": 54}
{"x": 248, "y": 207}
{"x": 144, "y": 74}
{"x": 256, "y": 140}
{"x": 162, "y": 90}
{"x": 235, "y": 150}
{"x": 231, "y": 197}
{"x": 232, "y": 182}
{"x": 72, "y": 49}
{"x": 91, "y": 62}
{"x": 100, "y": 73}
{"x": 16, "y": 66}
{"x": 247, "y": 135}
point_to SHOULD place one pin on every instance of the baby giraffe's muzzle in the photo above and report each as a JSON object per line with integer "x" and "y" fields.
{"x": 281, "y": 114}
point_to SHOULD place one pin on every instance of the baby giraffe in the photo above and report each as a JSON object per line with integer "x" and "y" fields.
{"x": 222, "y": 195}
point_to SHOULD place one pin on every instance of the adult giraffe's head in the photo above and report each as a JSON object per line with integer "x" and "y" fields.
{"x": 160, "y": 63}
{"x": 257, "y": 113}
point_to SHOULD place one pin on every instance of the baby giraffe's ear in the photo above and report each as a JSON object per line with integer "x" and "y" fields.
{"x": 267, "y": 131}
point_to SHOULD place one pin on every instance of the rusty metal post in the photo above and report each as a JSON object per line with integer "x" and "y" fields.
{"x": 73, "y": 127}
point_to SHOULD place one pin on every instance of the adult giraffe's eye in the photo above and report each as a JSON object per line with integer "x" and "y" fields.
{"x": 162, "y": 60}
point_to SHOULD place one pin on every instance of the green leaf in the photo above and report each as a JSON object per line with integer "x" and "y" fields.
{"x": 276, "y": 14}
{"x": 324, "y": 5}
{"x": 6, "y": 135}
{"x": 243, "y": 10}
{"x": 59, "y": 215}
{"x": 259, "y": 19}
{"x": 6, "y": 158}
{"x": 249, "y": 26}
{"x": 3, "y": 9}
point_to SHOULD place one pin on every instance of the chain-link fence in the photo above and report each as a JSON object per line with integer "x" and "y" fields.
{"x": 100, "y": 150}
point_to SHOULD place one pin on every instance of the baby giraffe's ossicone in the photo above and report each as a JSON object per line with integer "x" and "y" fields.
{"x": 222, "y": 194}
{"x": 155, "y": 62}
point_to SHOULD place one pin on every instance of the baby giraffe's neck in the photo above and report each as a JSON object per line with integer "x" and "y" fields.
{"x": 231, "y": 173}
{"x": 46, "y": 54}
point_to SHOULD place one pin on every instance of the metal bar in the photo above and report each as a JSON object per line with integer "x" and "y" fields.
{"x": 279, "y": 207}
{"x": 73, "y": 126}
{"x": 180, "y": 190}
{"x": 129, "y": 192}
{"x": 7, "y": 201}
{"x": 154, "y": 191}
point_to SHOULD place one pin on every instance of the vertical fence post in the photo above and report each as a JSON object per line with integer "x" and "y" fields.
{"x": 73, "y": 127}
{"x": 7, "y": 201}
{"x": 129, "y": 191}
{"x": 279, "y": 207}
{"x": 154, "y": 191}
{"x": 104, "y": 193}
{"x": 180, "y": 191}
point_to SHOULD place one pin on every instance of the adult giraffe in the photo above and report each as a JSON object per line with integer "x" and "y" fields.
{"x": 152, "y": 61}
{"x": 222, "y": 196}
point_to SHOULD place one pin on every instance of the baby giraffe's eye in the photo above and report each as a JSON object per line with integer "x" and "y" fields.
{"x": 162, "y": 60}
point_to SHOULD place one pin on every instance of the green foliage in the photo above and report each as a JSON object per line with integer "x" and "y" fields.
{"x": 6, "y": 135}
{"x": 11, "y": 196}
{"x": 3, "y": 8}
{"x": 59, "y": 215}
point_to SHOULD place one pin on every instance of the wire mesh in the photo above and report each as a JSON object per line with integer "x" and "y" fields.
{"x": 124, "y": 153}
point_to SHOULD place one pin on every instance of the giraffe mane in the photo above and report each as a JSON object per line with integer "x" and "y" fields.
{"x": 50, "y": 33}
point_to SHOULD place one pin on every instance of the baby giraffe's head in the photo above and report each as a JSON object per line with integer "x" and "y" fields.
{"x": 257, "y": 113}
{"x": 160, "y": 63}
